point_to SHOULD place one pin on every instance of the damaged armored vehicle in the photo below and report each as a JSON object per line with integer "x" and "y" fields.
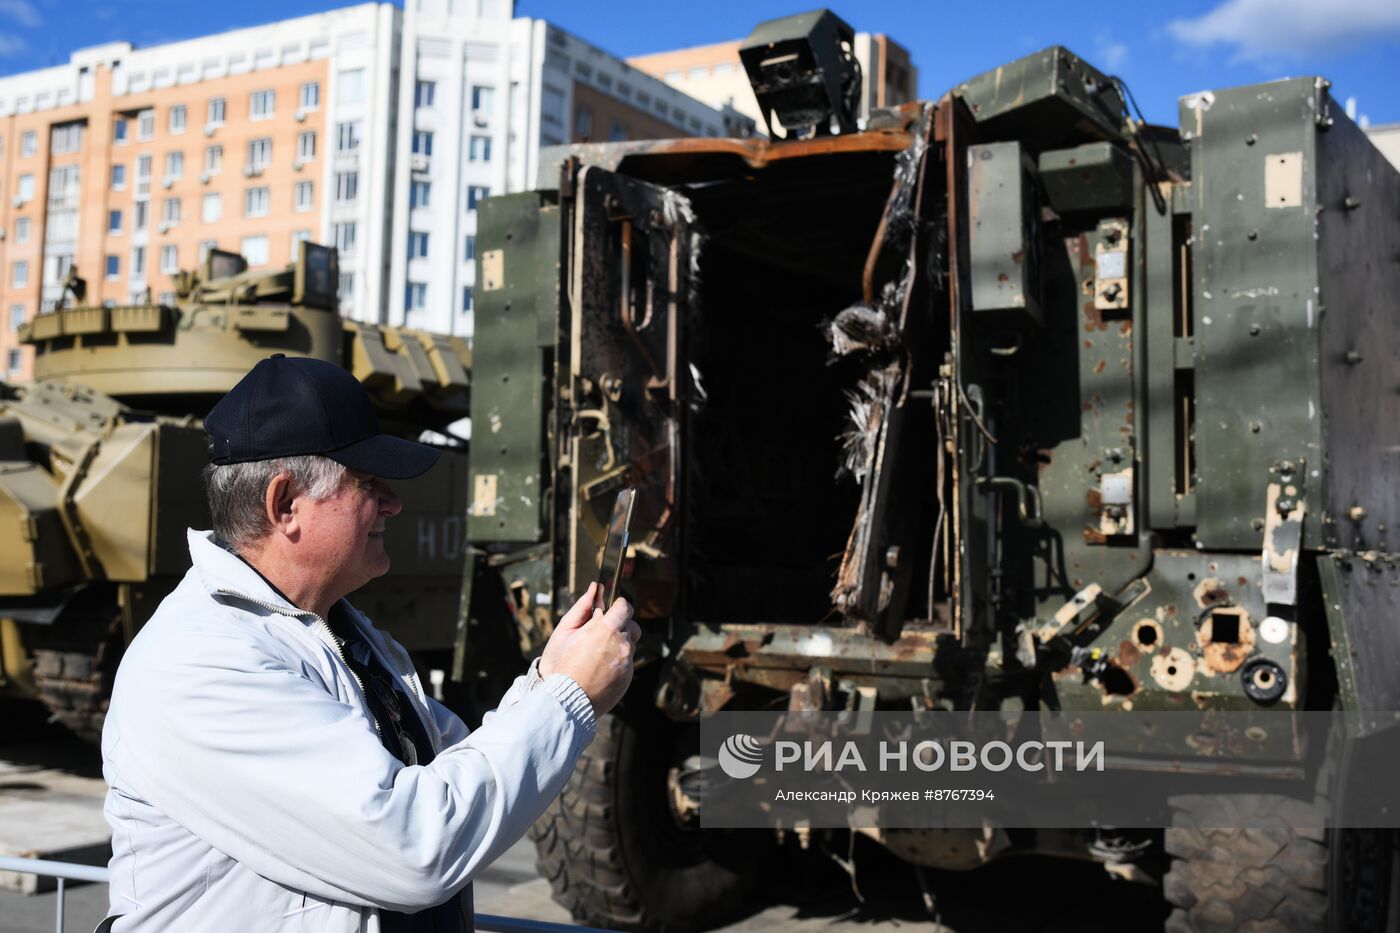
{"x": 1007, "y": 400}
{"x": 100, "y": 461}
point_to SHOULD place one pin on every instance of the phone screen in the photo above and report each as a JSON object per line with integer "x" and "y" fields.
{"x": 614, "y": 550}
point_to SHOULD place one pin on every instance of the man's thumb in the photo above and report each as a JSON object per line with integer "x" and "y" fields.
{"x": 581, "y": 611}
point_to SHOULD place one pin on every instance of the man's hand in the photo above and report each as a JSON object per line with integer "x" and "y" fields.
{"x": 596, "y": 652}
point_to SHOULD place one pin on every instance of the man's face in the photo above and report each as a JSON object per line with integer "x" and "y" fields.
{"x": 345, "y": 533}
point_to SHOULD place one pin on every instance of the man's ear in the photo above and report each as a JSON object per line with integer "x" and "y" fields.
{"x": 279, "y": 505}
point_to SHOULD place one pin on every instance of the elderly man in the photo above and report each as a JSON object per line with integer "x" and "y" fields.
{"x": 273, "y": 761}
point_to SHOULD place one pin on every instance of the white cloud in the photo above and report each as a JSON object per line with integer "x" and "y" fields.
{"x": 20, "y": 13}
{"x": 1267, "y": 30}
{"x": 10, "y": 45}
{"x": 1109, "y": 54}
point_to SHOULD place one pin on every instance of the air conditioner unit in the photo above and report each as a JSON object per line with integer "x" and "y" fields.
{"x": 163, "y": 227}
{"x": 167, "y": 181}
{"x": 2, "y": 234}
{"x": 209, "y": 129}
{"x": 300, "y": 115}
{"x": 297, "y": 163}
{"x": 204, "y": 178}
{"x": 418, "y": 163}
{"x": 251, "y": 171}
{"x": 19, "y": 200}
{"x": 480, "y": 117}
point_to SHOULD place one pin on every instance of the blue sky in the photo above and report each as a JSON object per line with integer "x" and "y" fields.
{"x": 1163, "y": 50}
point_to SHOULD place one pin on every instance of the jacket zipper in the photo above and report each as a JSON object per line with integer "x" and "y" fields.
{"x": 329, "y": 639}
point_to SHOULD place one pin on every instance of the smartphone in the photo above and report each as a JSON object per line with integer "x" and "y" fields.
{"x": 614, "y": 550}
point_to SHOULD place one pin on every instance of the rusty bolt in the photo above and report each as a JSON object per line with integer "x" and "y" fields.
{"x": 1257, "y": 524}
{"x": 1254, "y": 330}
{"x": 1353, "y": 357}
{"x": 1113, "y": 291}
{"x": 1251, "y": 139}
{"x": 1285, "y": 505}
{"x": 1255, "y": 427}
{"x": 1351, "y": 203}
{"x": 1356, "y": 513}
{"x": 892, "y": 557}
{"x": 1253, "y": 234}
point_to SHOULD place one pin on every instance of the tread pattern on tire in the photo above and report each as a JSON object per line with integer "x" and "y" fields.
{"x": 74, "y": 667}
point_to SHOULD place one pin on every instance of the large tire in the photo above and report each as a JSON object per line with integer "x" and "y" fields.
{"x": 1278, "y": 879}
{"x": 75, "y": 662}
{"x": 614, "y": 853}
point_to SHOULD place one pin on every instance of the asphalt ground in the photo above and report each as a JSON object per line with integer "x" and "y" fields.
{"x": 1020, "y": 895}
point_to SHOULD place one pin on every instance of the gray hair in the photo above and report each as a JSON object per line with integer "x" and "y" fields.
{"x": 237, "y": 493}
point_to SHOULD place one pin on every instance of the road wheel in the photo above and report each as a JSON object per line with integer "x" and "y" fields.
{"x": 75, "y": 661}
{"x": 1275, "y": 879}
{"x": 615, "y": 853}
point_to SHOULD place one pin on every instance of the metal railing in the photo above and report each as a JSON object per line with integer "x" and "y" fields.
{"x": 69, "y": 871}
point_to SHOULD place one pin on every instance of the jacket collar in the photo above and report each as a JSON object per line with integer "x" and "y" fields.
{"x": 222, "y": 572}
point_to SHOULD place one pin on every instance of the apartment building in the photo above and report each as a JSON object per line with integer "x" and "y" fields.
{"x": 480, "y": 94}
{"x": 713, "y": 74}
{"x": 130, "y": 164}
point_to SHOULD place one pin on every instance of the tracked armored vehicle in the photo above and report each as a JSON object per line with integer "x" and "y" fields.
{"x": 1003, "y": 401}
{"x": 100, "y": 460}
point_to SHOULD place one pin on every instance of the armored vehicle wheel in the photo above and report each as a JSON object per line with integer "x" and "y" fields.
{"x": 613, "y": 850}
{"x": 75, "y": 662}
{"x": 1279, "y": 879}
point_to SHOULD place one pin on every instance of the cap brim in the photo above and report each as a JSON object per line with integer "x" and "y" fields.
{"x": 387, "y": 456}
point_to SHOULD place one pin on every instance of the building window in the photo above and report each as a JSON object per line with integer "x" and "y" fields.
{"x": 14, "y": 359}
{"x": 254, "y": 250}
{"x": 306, "y": 146}
{"x": 205, "y": 247}
{"x": 146, "y": 124}
{"x": 475, "y": 195}
{"x": 347, "y": 136}
{"x": 422, "y": 143}
{"x": 483, "y": 98}
{"x": 351, "y": 86}
{"x": 723, "y": 68}
{"x": 119, "y": 130}
{"x": 174, "y": 165}
{"x": 466, "y": 298}
{"x": 618, "y": 132}
{"x": 469, "y": 251}
{"x": 479, "y": 149}
{"x": 138, "y": 262}
{"x": 262, "y": 105}
{"x": 19, "y": 274}
{"x": 25, "y": 191}
{"x": 552, "y": 105}
{"x": 415, "y": 296}
{"x": 114, "y": 221}
{"x": 143, "y": 168}
{"x": 417, "y": 245}
{"x": 583, "y": 122}
{"x": 169, "y": 260}
{"x": 28, "y": 143}
{"x": 301, "y": 196}
{"x": 423, "y": 93}
{"x": 255, "y": 201}
{"x": 213, "y": 159}
{"x": 215, "y": 114}
{"x": 139, "y": 212}
{"x": 177, "y": 118}
{"x": 343, "y": 236}
{"x": 16, "y": 316}
{"x": 114, "y": 267}
{"x": 118, "y": 177}
{"x": 170, "y": 211}
{"x": 299, "y": 237}
{"x": 310, "y": 98}
{"x": 419, "y": 193}
{"x": 212, "y": 208}
{"x": 22, "y": 230}
{"x": 166, "y": 298}
{"x": 346, "y": 292}
{"x": 259, "y": 153}
{"x": 66, "y": 138}
{"x": 347, "y": 186}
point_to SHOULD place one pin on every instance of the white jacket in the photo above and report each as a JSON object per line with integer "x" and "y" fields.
{"x": 248, "y": 790}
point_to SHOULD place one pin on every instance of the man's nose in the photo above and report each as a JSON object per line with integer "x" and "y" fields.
{"x": 389, "y": 502}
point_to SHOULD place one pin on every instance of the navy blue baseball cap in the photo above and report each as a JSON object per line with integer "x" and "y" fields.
{"x": 294, "y": 406}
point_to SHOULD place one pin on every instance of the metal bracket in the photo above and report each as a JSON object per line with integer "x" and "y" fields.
{"x": 1284, "y": 509}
